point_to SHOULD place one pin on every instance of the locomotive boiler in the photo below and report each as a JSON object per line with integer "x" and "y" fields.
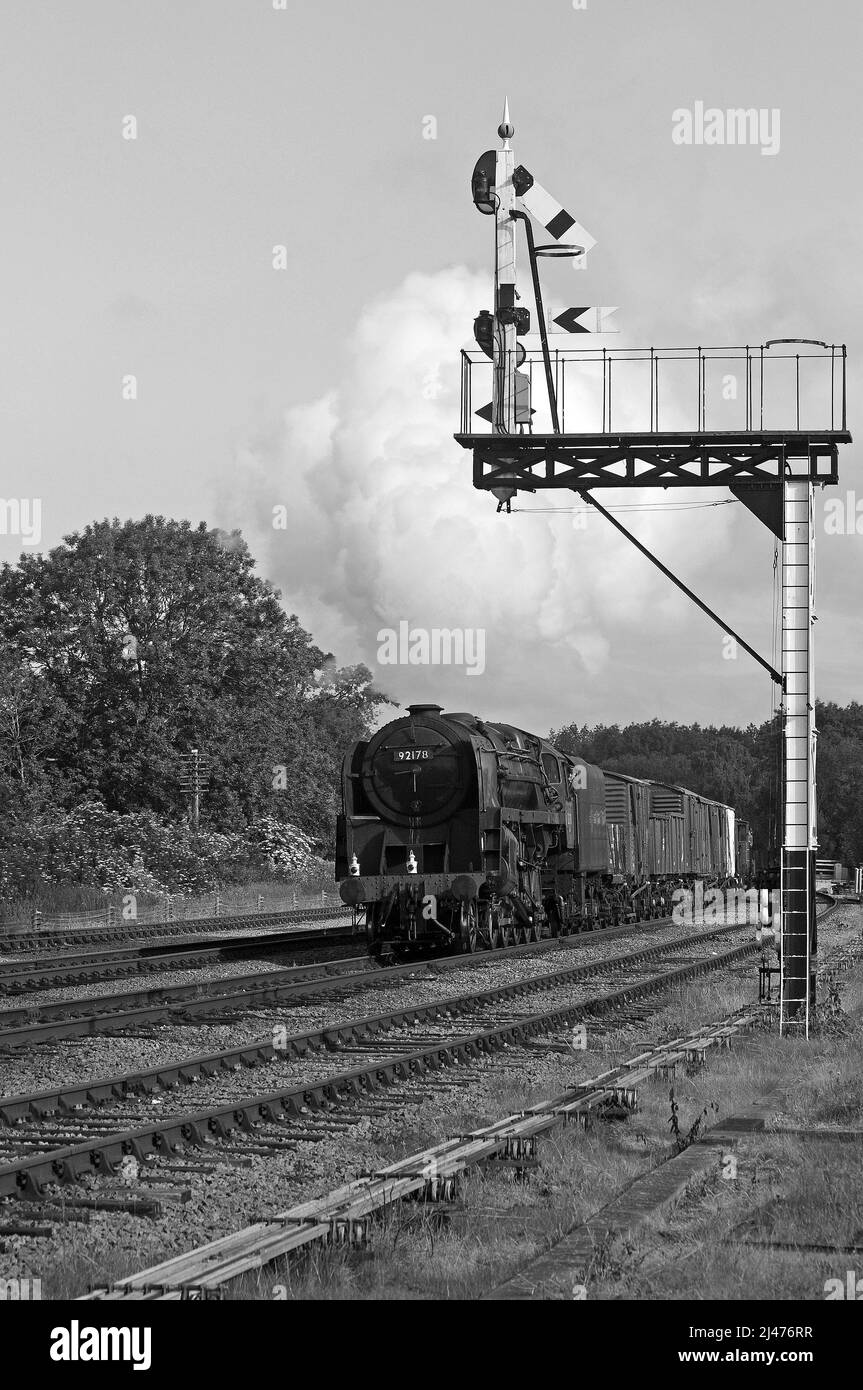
{"x": 457, "y": 834}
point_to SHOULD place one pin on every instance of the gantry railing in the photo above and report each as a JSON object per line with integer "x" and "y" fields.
{"x": 782, "y": 385}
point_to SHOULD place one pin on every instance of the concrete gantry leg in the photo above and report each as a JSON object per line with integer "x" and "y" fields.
{"x": 797, "y": 885}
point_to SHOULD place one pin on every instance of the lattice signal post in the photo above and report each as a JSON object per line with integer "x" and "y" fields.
{"x": 771, "y": 444}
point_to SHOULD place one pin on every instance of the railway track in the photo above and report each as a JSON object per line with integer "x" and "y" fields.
{"x": 15, "y": 940}
{"x": 140, "y": 956}
{"x": 65, "y": 1134}
{"x": 343, "y": 1216}
{"x": 89, "y": 967}
{"x": 25, "y": 1024}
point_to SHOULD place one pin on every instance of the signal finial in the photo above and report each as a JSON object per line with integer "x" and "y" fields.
{"x": 506, "y": 129}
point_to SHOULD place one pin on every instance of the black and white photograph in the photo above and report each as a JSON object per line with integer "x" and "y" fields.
{"x": 431, "y": 677}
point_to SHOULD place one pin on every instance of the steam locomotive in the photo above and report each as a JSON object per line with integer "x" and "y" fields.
{"x": 456, "y": 834}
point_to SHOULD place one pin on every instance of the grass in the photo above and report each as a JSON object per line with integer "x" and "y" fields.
{"x": 784, "y": 1193}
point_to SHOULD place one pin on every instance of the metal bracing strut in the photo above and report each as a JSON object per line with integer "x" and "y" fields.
{"x": 680, "y": 584}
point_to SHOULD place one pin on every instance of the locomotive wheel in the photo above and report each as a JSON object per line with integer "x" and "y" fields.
{"x": 469, "y": 928}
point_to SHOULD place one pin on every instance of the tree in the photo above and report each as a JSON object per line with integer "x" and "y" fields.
{"x": 838, "y": 775}
{"x": 30, "y": 715}
{"x": 143, "y": 639}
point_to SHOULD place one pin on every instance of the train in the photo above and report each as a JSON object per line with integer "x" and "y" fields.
{"x": 458, "y": 835}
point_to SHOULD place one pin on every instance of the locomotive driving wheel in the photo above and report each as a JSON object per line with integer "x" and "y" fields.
{"x": 469, "y": 927}
{"x": 488, "y": 933}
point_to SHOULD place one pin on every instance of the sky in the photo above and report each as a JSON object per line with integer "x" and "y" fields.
{"x": 154, "y": 157}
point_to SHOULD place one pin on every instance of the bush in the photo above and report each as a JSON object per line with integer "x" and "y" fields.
{"x": 103, "y": 849}
{"x": 92, "y": 847}
{"x": 286, "y": 850}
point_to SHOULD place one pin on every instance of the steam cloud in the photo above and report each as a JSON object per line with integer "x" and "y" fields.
{"x": 384, "y": 525}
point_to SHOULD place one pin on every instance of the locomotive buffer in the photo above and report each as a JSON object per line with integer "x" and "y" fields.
{"x": 772, "y": 470}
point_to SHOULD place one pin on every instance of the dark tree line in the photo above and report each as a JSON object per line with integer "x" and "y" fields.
{"x": 741, "y": 767}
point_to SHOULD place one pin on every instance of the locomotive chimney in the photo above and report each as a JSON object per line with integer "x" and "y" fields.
{"x": 414, "y": 710}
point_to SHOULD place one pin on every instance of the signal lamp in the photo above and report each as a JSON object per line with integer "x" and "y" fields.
{"x": 483, "y": 331}
{"x": 482, "y": 184}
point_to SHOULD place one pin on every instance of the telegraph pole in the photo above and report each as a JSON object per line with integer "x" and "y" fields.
{"x": 194, "y": 778}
